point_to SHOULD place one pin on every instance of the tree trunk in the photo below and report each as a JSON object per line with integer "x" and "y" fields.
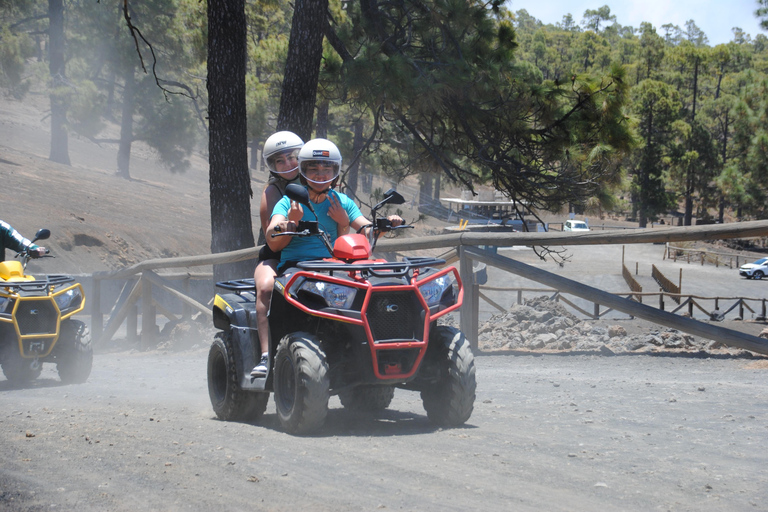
{"x": 255, "y": 154}
{"x": 436, "y": 189}
{"x": 425, "y": 189}
{"x": 688, "y": 216}
{"x": 126, "y": 124}
{"x": 353, "y": 171}
{"x": 321, "y": 128}
{"x": 230, "y": 187}
{"x": 59, "y": 138}
{"x": 302, "y": 67}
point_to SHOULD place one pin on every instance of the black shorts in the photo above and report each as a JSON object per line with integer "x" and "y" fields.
{"x": 265, "y": 253}
{"x": 286, "y": 265}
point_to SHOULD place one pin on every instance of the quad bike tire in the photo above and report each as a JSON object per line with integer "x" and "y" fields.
{"x": 367, "y": 398}
{"x": 19, "y": 370}
{"x": 301, "y": 383}
{"x": 230, "y": 402}
{"x": 74, "y": 352}
{"x": 449, "y": 402}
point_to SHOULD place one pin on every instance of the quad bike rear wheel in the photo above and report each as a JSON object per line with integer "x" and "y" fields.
{"x": 301, "y": 383}
{"x": 229, "y": 401}
{"x": 74, "y": 352}
{"x": 449, "y": 401}
{"x": 367, "y": 398}
{"x": 19, "y": 370}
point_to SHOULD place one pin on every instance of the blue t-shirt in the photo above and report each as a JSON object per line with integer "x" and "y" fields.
{"x": 312, "y": 247}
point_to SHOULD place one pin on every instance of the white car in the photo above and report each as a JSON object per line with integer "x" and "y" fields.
{"x": 756, "y": 270}
{"x": 575, "y": 225}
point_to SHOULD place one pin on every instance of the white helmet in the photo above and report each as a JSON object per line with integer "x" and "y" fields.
{"x": 278, "y": 144}
{"x": 320, "y": 151}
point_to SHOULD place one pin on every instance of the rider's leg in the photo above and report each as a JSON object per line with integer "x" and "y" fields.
{"x": 264, "y": 279}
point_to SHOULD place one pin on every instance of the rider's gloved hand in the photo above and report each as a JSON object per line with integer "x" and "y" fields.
{"x": 39, "y": 252}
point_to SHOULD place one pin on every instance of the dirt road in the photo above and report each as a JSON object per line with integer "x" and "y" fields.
{"x": 547, "y": 433}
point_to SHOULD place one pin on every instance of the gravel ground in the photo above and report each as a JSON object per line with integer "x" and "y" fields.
{"x": 549, "y": 432}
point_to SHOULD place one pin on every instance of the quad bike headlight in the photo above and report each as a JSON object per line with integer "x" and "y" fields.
{"x": 434, "y": 290}
{"x": 335, "y": 295}
{"x": 70, "y": 299}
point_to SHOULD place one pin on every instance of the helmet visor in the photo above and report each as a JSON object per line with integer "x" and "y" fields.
{"x": 319, "y": 172}
{"x": 284, "y": 162}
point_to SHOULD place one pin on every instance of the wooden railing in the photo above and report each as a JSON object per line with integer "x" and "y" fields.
{"x": 141, "y": 279}
{"x": 674, "y": 252}
{"x": 666, "y": 284}
{"x": 139, "y": 282}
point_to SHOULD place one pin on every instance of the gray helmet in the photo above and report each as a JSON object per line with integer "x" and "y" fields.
{"x": 278, "y": 144}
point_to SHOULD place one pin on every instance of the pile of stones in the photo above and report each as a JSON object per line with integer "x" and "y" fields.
{"x": 543, "y": 325}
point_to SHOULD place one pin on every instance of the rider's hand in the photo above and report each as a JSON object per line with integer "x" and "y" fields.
{"x": 288, "y": 226}
{"x": 337, "y": 212}
{"x": 395, "y": 220}
{"x": 39, "y": 252}
{"x": 295, "y": 213}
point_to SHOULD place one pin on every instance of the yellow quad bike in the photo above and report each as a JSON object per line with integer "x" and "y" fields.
{"x": 36, "y": 324}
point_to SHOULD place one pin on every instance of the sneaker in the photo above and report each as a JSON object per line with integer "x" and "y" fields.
{"x": 260, "y": 370}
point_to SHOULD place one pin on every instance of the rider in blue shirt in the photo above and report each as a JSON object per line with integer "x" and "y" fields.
{"x": 319, "y": 166}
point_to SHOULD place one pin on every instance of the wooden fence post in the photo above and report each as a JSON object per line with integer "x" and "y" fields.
{"x": 661, "y": 299}
{"x": 519, "y": 297}
{"x": 97, "y": 319}
{"x": 132, "y": 323}
{"x": 186, "y": 311}
{"x": 147, "y": 314}
{"x": 468, "y": 319}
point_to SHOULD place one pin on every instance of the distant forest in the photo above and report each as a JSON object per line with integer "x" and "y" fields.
{"x": 643, "y": 120}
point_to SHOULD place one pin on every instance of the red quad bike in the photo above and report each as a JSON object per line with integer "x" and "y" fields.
{"x": 347, "y": 325}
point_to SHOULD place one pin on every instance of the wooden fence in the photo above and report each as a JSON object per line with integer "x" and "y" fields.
{"x": 142, "y": 279}
{"x": 673, "y": 252}
{"x": 666, "y": 284}
{"x": 140, "y": 282}
{"x": 709, "y": 306}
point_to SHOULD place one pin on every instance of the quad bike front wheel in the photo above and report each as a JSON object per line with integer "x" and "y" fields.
{"x": 19, "y": 370}
{"x": 367, "y": 398}
{"x": 74, "y": 352}
{"x": 301, "y": 383}
{"x": 229, "y": 401}
{"x": 449, "y": 401}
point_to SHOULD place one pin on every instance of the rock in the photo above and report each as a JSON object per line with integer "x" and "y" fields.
{"x": 616, "y": 330}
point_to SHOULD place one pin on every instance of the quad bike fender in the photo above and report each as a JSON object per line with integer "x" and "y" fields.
{"x": 231, "y": 309}
{"x": 237, "y": 314}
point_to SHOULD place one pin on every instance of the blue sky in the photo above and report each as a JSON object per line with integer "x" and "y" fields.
{"x": 715, "y": 18}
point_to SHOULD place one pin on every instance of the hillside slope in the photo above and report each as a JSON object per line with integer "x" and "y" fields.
{"x": 98, "y": 220}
